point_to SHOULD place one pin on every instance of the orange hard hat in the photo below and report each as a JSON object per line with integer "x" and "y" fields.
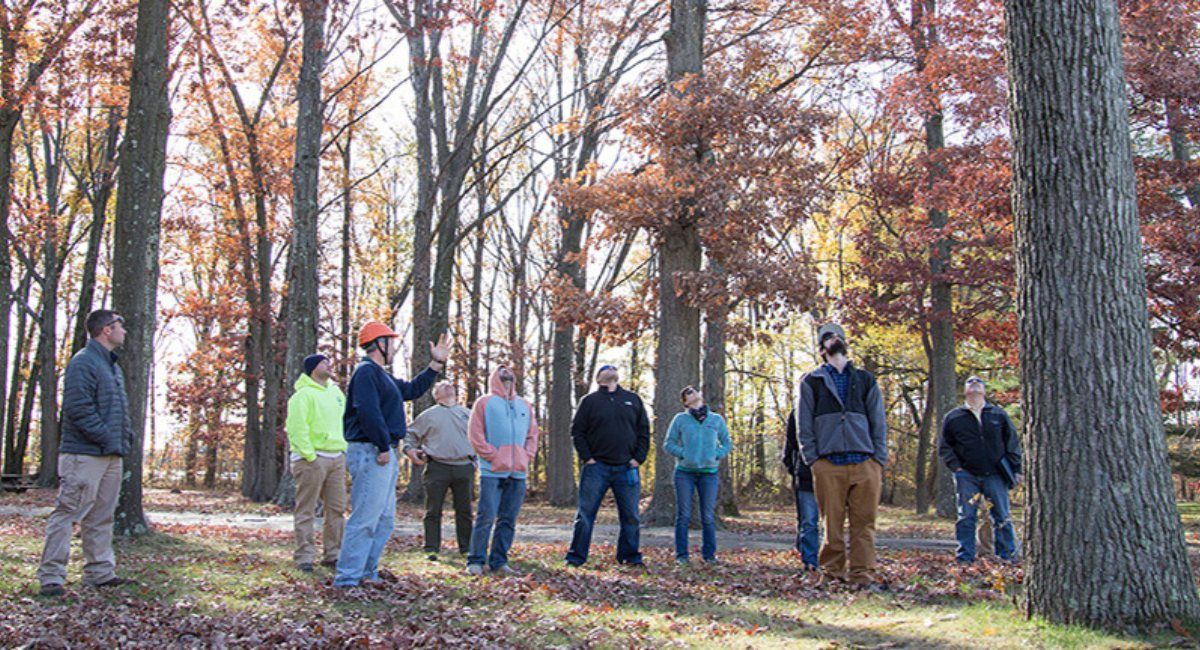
{"x": 374, "y": 330}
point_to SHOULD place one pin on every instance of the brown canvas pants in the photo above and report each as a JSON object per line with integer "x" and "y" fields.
{"x": 87, "y": 493}
{"x": 852, "y": 490}
{"x": 324, "y": 479}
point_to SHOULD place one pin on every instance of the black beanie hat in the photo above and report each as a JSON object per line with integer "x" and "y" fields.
{"x": 312, "y": 361}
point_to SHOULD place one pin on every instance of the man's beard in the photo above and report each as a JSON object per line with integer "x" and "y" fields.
{"x": 838, "y": 347}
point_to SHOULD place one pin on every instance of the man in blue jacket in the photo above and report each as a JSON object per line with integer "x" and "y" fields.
{"x": 96, "y": 434}
{"x": 374, "y": 424}
{"x": 979, "y": 444}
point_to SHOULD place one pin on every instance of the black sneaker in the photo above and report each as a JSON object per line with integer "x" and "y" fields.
{"x": 432, "y": 557}
{"x": 329, "y": 564}
{"x": 306, "y": 567}
{"x": 115, "y": 581}
{"x": 52, "y": 590}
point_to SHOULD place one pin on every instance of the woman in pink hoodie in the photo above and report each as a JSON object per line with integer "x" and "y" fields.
{"x": 504, "y": 433}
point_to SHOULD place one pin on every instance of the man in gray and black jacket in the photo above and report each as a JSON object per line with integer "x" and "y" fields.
{"x": 96, "y": 435}
{"x": 842, "y": 428}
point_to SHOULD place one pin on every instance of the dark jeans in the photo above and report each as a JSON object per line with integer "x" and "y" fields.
{"x": 969, "y": 488}
{"x": 500, "y": 502}
{"x": 594, "y": 481}
{"x": 808, "y": 528}
{"x": 459, "y": 479}
{"x": 687, "y": 483}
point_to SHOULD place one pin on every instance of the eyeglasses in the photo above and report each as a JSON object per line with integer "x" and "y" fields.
{"x": 974, "y": 380}
{"x": 113, "y": 321}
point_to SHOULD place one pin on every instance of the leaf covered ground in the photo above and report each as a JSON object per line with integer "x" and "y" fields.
{"x": 235, "y": 587}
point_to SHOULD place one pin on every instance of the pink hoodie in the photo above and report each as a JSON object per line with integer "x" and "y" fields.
{"x": 503, "y": 431}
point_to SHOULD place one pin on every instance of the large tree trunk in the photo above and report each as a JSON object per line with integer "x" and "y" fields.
{"x": 1105, "y": 545}
{"x": 303, "y": 261}
{"x": 678, "y": 350}
{"x": 136, "y": 235}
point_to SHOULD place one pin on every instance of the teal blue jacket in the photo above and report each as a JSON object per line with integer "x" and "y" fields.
{"x": 698, "y": 446}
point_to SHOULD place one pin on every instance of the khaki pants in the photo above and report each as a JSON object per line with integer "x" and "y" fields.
{"x": 848, "y": 490}
{"x": 87, "y": 493}
{"x": 324, "y": 479}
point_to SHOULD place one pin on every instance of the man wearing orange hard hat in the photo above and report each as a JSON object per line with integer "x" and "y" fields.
{"x": 374, "y": 425}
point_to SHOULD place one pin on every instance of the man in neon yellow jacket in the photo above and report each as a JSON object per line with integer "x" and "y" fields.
{"x": 314, "y": 430}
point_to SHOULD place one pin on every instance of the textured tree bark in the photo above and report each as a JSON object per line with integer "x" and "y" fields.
{"x": 16, "y": 440}
{"x": 102, "y": 182}
{"x": 678, "y": 349}
{"x": 8, "y": 124}
{"x": 48, "y": 341}
{"x": 1105, "y": 546}
{"x": 136, "y": 235}
{"x": 714, "y": 393}
{"x": 303, "y": 262}
{"x": 560, "y": 470}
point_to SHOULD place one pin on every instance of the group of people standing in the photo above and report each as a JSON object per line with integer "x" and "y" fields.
{"x": 835, "y": 450}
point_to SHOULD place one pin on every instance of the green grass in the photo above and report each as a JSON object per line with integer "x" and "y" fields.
{"x": 198, "y": 584}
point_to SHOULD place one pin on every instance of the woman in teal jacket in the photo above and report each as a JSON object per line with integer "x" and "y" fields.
{"x": 698, "y": 440}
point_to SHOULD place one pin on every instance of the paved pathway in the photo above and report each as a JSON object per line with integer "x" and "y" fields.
{"x": 543, "y": 533}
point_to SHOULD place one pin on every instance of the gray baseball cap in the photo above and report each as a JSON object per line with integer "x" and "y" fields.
{"x": 830, "y": 329}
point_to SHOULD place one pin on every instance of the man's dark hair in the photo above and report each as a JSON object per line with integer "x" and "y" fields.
{"x": 100, "y": 319}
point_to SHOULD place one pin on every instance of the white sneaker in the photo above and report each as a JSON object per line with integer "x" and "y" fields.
{"x": 507, "y": 571}
{"x": 475, "y": 569}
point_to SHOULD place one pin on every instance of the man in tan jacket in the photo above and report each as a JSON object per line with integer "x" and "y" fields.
{"x": 438, "y": 440}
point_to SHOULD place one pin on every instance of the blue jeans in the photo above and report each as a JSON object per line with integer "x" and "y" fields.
{"x": 594, "y": 481}
{"x": 968, "y": 486}
{"x": 687, "y": 483}
{"x": 808, "y": 528}
{"x": 500, "y": 501}
{"x": 372, "y": 513}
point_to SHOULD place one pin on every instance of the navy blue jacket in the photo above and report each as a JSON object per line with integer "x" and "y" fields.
{"x": 375, "y": 404}
{"x": 95, "y": 408}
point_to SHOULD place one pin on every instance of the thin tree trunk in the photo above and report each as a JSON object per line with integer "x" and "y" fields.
{"x": 715, "y": 356}
{"x": 48, "y": 341}
{"x": 473, "y": 343}
{"x": 15, "y": 444}
{"x": 211, "y": 458}
{"x": 193, "y": 447}
{"x": 346, "y": 360}
{"x": 103, "y": 181}
{"x": 136, "y": 236}
{"x": 8, "y": 124}
{"x": 1105, "y": 544}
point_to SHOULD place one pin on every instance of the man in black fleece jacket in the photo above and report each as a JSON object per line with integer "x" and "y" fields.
{"x": 611, "y": 432}
{"x": 977, "y": 438}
